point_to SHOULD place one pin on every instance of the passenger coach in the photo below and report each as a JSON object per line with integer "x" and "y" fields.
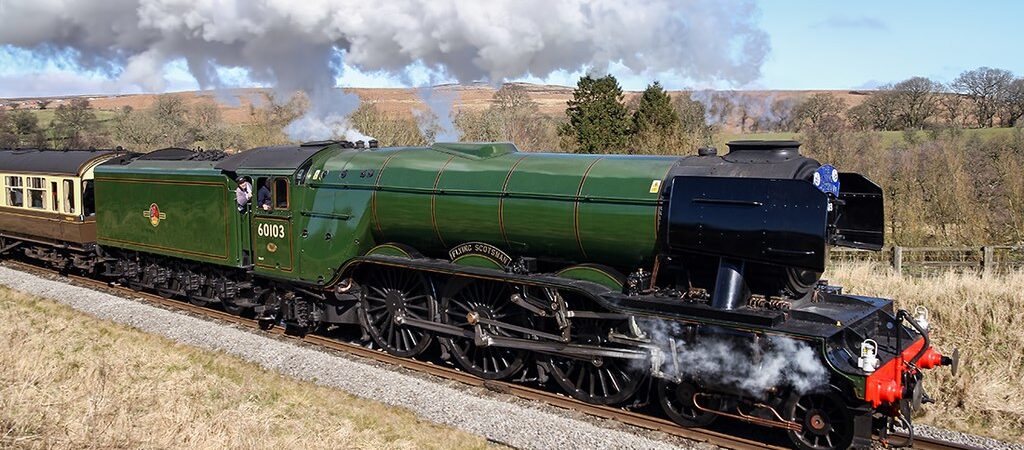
{"x": 48, "y": 199}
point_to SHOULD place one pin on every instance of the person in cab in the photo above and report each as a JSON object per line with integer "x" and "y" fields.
{"x": 243, "y": 193}
{"x": 263, "y": 197}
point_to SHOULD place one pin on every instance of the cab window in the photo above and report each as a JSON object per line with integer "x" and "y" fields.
{"x": 280, "y": 193}
{"x": 262, "y": 194}
{"x": 15, "y": 191}
{"x": 303, "y": 173}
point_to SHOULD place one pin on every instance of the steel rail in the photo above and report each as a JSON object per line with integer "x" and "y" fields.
{"x": 632, "y": 418}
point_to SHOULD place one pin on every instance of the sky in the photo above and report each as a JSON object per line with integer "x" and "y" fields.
{"x": 813, "y": 45}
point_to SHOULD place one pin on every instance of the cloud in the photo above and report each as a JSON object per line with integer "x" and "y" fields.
{"x": 306, "y": 46}
{"x": 860, "y": 23}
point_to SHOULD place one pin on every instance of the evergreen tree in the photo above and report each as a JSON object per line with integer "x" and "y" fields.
{"x": 598, "y": 120}
{"x": 654, "y": 113}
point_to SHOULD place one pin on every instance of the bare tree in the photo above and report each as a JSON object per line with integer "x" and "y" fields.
{"x": 781, "y": 112}
{"x": 478, "y": 126}
{"x": 915, "y": 101}
{"x": 818, "y": 110}
{"x": 25, "y": 130}
{"x": 877, "y": 112}
{"x": 512, "y": 117}
{"x": 388, "y": 129}
{"x": 208, "y": 129}
{"x": 744, "y": 116}
{"x": 71, "y": 121}
{"x": 7, "y": 137}
{"x": 514, "y": 109}
{"x": 953, "y": 106}
{"x": 268, "y": 118}
{"x": 170, "y": 114}
{"x": 861, "y": 117}
{"x": 987, "y": 88}
{"x": 720, "y": 108}
{"x": 136, "y": 130}
{"x": 693, "y": 119}
{"x": 1014, "y": 102}
{"x": 172, "y": 122}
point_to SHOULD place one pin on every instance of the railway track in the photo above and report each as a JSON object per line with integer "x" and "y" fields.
{"x": 632, "y": 418}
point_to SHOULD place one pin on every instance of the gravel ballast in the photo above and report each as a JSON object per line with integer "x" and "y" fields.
{"x": 512, "y": 423}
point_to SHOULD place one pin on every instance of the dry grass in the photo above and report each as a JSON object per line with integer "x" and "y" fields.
{"x": 984, "y": 317}
{"x": 71, "y": 381}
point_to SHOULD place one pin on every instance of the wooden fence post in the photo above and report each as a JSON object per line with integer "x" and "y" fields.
{"x": 987, "y": 259}
{"x": 897, "y": 260}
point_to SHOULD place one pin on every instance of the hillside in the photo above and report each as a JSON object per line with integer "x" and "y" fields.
{"x": 551, "y": 99}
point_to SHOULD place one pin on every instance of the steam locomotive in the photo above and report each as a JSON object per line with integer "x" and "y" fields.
{"x": 692, "y": 281}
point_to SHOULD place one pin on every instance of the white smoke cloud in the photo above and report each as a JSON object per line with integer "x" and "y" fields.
{"x": 439, "y": 119}
{"x": 754, "y": 369}
{"x": 295, "y": 46}
{"x": 311, "y": 127}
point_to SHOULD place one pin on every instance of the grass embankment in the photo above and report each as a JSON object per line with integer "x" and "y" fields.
{"x": 984, "y": 317}
{"x": 71, "y": 381}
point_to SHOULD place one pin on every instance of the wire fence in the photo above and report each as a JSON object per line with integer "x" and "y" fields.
{"x": 925, "y": 261}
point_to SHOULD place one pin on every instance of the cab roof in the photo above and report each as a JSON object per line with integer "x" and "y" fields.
{"x": 276, "y": 157}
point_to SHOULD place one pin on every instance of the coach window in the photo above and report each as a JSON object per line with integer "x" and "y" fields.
{"x": 15, "y": 191}
{"x": 36, "y": 192}
{"x": 54, "y": 197}
{"x": 280, "y": 193}
{"x": 69, "y": 196}
{"x": 88, "y": 200}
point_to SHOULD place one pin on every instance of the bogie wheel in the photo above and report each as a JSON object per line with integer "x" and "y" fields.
{"x": 193, "y": 295}
{"x": 388, "y": 295}
{"x": 677, "y": 401}
{"x": 466, "y": 300}
{"x": 232, "y": 308}
{"x": 826, "y": 422}
{"x": 206, "y": 290}
{"x": 269, "y": 316}
{"x": 195, "y": 300}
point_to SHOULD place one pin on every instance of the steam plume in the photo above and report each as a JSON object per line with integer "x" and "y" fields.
{"x": 752, "y": 368}
{"x": 298, "y": 46}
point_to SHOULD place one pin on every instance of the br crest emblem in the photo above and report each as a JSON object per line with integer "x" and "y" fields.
{"x": 154, "y": 214}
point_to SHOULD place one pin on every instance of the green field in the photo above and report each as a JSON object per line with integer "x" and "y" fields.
{"x": 104, "y": 118}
